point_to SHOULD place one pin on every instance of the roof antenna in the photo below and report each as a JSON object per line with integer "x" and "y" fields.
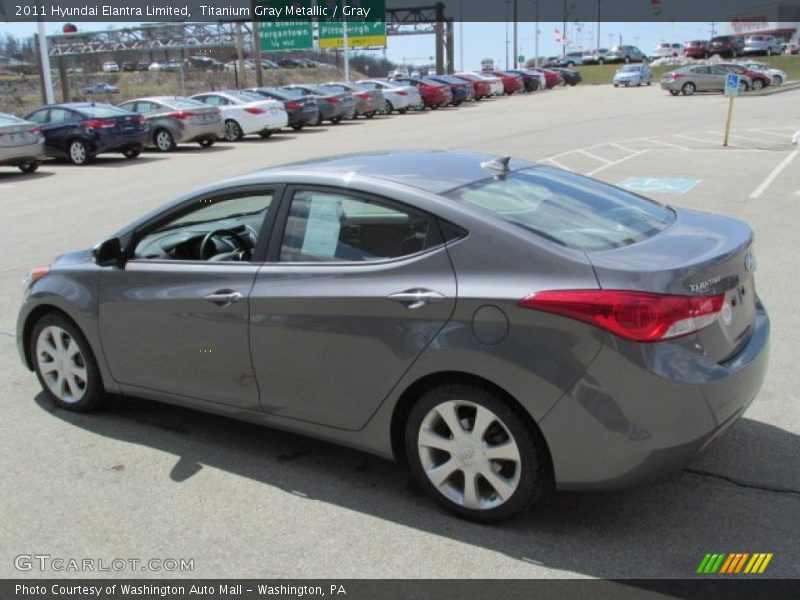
{"x": 498, "y": 165}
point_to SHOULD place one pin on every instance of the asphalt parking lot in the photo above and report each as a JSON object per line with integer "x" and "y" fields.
{"x": 146, "y": 480}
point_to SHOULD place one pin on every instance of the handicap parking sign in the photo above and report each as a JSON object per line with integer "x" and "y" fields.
{"x": 732, "y": 84}
{"x": 661, "y": 185}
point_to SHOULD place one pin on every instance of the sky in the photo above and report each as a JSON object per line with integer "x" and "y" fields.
{"x": 487, "y": 40}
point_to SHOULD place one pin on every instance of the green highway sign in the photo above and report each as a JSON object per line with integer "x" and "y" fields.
{"x": 282, "y": 33}
{"x": 366, "y": 23}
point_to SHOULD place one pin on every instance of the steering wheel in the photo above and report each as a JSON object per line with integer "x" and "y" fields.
{"x": 206, "y": 245}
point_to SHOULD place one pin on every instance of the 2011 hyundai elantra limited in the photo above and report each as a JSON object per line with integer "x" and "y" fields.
{"x": 498, "y": 325}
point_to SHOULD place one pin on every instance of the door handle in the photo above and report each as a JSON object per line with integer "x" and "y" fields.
{"x": 223, "y": 297}
{"x": 416, "y": 298}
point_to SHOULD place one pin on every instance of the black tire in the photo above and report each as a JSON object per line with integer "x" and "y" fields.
{"x": 93, "y": 393}
{"x": 233, "y": 131}
{"x": 743, "y": 87}
{"x": 570, "y": 64}
{"x": 616, "y": 85}
{"x": 78, "y": 153}
{"x": 370, "y": 115}
{"x": 265, "y": 134}
{"x": 757, "y": 84}
{"x": 318, "y": 122}
{"x": 298, "y": 126}
{"x": 627, "y": 60}
{"x": 388, "y": 108}
{"x": 532, "y": 470}
{"x": 207, "y": 142}
{"x": 163, "y": 140}
{"x": 688, "y": 88}
{"x": 336, "y": 120}
{"x": 674, "y": 92}
{"x": 402, "y": 111}
{"x": 29, "y": 166}
{"x": 777, "y": 80}
{"x": 131, "y": 153}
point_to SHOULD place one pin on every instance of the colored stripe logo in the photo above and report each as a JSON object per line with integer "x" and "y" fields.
{"x": 734, "y": 563}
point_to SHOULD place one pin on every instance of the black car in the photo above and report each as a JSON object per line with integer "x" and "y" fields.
{"x": 529, "y": 78}
{"x": 301, "y": 111}
{"x": 79, "y": 131}
{"x": 727, "y": 46}
{"x": 569, "y": 76}
{"x": 128, "y": 67}
{"x": 290, "y": 63}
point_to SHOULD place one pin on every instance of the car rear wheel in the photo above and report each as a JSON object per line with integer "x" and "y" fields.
{"x": 207, "y": 142}
{"x": 402, "y": 111}
{"x": 336, "y": 120}
{"x": 233, "y": 132}
{"x": 757, "y": 84}
{"x": 265, "y": 134}
{"x": 29, "y": 166}
{"x": 674, "y": 92}
{"x": 688, "y": 88}
{"x": 131, "y": 153}
{"x": 743, "y": 87}
{"x": 474, "y": 454}
{"x": 164, "y": 141}
{"x": 65, "y": 365}
{"x": 370, "y": 115}
{"x": 387, "y": 108}
{"x": 297, "y": 126}
{"x": 78, "y": 153}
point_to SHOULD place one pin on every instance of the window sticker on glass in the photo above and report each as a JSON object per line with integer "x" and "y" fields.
{"x": 322, "y": 232}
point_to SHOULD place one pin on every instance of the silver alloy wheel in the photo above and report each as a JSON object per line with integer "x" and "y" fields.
{"x": 232, "y": 131}
{"x": 163, "y": 140}
{"x": 61, "y": 363}
{"x": 469, "y": 454}
{"x": 77, "y": 152}
{"x": 757, "y": 84}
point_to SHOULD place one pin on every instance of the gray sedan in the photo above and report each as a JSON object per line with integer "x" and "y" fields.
{"x": 702, "y": 78}
{"x": 499, "y": 326}
{"x": 172, "y": 120}
{"x": 21, "y": 143}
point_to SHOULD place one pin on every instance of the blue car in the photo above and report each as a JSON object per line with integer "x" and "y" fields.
{"x": 80, "y": 131}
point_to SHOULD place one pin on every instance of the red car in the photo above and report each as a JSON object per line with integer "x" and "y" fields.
{"x": 483, "y": 89}
{"x": 551, "y": 78}
{"x": 433, "y": 94}
{"x": 760, "y": 79}
{"x": 511, "y": 83}
{"x": 696, "y": 49}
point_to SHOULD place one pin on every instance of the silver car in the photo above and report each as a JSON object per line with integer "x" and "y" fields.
{"x": 762, "y": 44}
{"x": 702, "y": 78}
{"x": 369, "y": 102}
{"x": 633, "y": 75}
{"x": 499, "y": 326}
{"x": 173, "y": 120}
{"x": 21, "y": 143}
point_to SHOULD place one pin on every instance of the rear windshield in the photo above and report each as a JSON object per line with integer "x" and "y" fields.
{"x": 568, "y": 209}
{"x": 631, "y": 68}
{"x": 247, "y": 96}
{"x": 102, "y": 111}
{"x": 293, "y": 92}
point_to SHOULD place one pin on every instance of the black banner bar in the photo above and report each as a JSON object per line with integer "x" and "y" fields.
{"x": 397, "y": 589}
{"x": 665, "y": 11}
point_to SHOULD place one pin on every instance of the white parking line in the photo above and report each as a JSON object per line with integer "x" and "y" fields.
{"x": 697, "y": 139}
{"x": 775, "y": 172}
{"x": 555, "y": 163}
{"x": 780, "y": 135}
{"x": 667, "y": 144}
{"x": 594, "y": 156}
{"x": 616, "y": 162}
{"x": 620, "y": 147}
{"x": 752, "y": 139}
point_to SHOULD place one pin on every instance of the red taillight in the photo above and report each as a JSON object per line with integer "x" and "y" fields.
{"x": 99, "y": 124}
{"x": 637, "y": 316}
{"x": 401, "y": 93}
{"x": 291, "y": 105}
{"x": 363, "y": 96}
{"x": 255, "y": 111}
{"x": 36, "y": 131}
{"x": 185, "y": 115}
{"x": 333, "y": 100}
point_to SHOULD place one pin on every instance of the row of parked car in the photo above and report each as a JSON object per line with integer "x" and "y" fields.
{"x": 79, "y": 131}
{"x": 725, "y": 46}
{"x": 209, "y": 63}
{"x": 710, "y": 77}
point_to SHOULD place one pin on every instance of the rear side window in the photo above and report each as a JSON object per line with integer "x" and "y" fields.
{"x": 327, "y": 226}
{"x": 568, "y": 209}
{"x": 102, "y": 111}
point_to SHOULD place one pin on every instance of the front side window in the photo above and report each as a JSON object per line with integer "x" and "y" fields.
{"x": 567, "y": 209}
{"x": 336, "y": 227}
{"x": 214, "y": 229}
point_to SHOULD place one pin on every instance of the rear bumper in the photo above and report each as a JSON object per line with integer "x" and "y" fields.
{"x": 193, "y": 133}
{"x": 641, "y": 412}
{"x": 117, "y": 143}
{"x": 21, "y": 154}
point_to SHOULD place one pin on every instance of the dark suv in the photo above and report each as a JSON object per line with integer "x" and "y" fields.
{"x": 727, "y": 46}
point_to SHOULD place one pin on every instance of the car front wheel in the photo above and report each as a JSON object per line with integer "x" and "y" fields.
{"x": 474, "y": 454}
{"x": 29, "y": 167}
{"x": 757, "y": 84}
{"x": 777, "y": 80}
{"x": 65, "y": 365}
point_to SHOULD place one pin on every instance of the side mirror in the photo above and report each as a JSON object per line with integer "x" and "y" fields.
{"x": 108, "y": 253}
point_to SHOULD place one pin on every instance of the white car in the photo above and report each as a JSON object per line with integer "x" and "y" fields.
{"x": 154, "y": 66}
{"x": 110, "y": 67}
{"x": 397, "y": 96}
{"x": 495, "y": 83}
{"x": 246, "y": 113}
{"x": 778, "y": 76}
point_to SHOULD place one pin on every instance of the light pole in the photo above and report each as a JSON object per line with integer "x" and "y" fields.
{"x": 516, "y": 43}
{"x": 598, "y": 25}
{"x": 508, "y": 4}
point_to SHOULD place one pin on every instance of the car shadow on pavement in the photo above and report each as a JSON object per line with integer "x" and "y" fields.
{"x": 19, "y": 177}
{"x": 219, "y": 146}
{"x": 743, "y": 495}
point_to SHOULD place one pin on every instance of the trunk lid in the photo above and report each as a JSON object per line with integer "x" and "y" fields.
{"x": 698, "y": 255}
{"x": 22, "y": 134}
